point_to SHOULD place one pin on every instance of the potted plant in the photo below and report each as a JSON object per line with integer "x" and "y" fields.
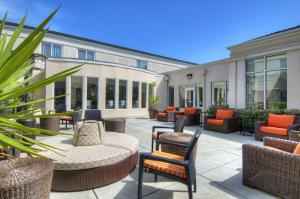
{"x": 32, "y": 175}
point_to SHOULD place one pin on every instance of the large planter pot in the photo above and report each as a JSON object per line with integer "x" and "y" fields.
{"x": 26, "y": 178}
{"x": 30, "y": 122}
{"x": 152, "y": 113}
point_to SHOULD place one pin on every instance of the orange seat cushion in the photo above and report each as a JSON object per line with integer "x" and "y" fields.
{"x": 215, "y": 122}
{"x": 280, "y": 121}
{"x": 224, "y": 114}
{"x": 164, "y": 167}
{"x": 171, "y": 108}
{"x": 297, "y": 149}
{"x": 66, "y": 117}
{"x": 162, "y": 114}
{"x": 273, "y": 130}
{"x": 188, "y": 111}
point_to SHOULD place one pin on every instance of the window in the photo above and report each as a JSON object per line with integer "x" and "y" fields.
{"x": 142, "y": 64}
{"x": 60, "y": 89}
{"x": 86, "y": 55}
{"x": 46, "y": 49}
{"x": 144, "y": 95}
{"x": 76, "y": 92}
{"x": 122, "y": 94}
{"x": 110, "y": 93}
{"x": 266, "y": 82}
{"x": 199, "y": 96}
{"x": 219, "y": 93}
{"x": 135, "y": 95}
{"x": 171, "y": 96}
{"x": 51, "y": 50}
{"x": 92, "y": 93}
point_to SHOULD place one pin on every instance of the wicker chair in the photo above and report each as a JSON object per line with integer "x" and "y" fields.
{"x": 92, "y": 114}
{"x": 190, "y": 115}
{"x": 178, "y": 168}
{"x": 275, "y": 171}
{"x": 50, "y": 123}
{"x": 167, "y": 115}
{"x": 259, "y": 135}
{"x": 178, "y": 127}
{"x": 226, "y": 125}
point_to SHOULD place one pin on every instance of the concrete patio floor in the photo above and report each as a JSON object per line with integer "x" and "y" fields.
{"x": 219, "y": 167}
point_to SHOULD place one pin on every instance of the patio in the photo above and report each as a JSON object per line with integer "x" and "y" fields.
{"x": 219, "y": 166}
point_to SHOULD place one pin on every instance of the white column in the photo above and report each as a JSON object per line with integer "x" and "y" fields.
{"x": 84, "y": 93}
{"x": 147, "y": 93}
{"x": 68, "y": 93}
{"x": 99, "y": 94}
{"x": 117, "y": 94}
{"x": 140, "y": 95}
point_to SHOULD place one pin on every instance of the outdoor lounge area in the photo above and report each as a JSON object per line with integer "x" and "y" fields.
{"x": 219, "y": 169}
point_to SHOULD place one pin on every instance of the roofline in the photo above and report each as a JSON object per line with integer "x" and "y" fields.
{"x": 103, "y": 43}
{"x": 225, "y": 60}
{"x": 274, "y": 34}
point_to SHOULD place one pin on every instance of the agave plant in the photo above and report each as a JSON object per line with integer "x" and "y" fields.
{"x": 15, "y": 63}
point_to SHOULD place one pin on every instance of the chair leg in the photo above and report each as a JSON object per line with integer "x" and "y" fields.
{"x": 152, "y": 143}
{"x": 189, "y": 186}
{"x": 195, "y": 186}
{"x": 155, "y": 178}
{"x": 140, "y": 180}
{"x": 66, "y": 124}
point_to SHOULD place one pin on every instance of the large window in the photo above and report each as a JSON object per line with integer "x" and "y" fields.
{"x": 51, "y": 50}
{"x": 60, "y": 89}
{"x": 199, "y": 96}
{"x": 92, "y": 93}
{"x": 142, "y": 64}
{"x": 219, "y": 93}
{"x": 110, "y": 93}
{"x": 135, "y": 95}
{"x": 76, "y": 92}
{"x": 266, "y": 82}
{"x": 86, "y": 54}
{"x": 122, "y": 94}
{"x": 144, "y": 95}
{"x": 171, "y": 96}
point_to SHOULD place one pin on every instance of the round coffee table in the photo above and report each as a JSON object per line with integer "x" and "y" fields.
{"x": 115, "y": 124}
{"x": 182, "y": 138}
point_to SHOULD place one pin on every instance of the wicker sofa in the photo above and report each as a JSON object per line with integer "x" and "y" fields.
{"x": 190, "y": 115}
{"x": 277, "y": 128}
{"x": 88, "y": 167}
{"x": 273, "y": 167}
{"x": 225, "y": 121}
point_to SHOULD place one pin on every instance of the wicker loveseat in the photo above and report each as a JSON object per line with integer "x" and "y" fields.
{"x": 87, "y": 167}
{"x": 190, "y": 116}
{"x": 167, "y": 115}
{"x": 225, "y": 121}
{"x": 278, "y": 126}
{"x": 274, "y": 167}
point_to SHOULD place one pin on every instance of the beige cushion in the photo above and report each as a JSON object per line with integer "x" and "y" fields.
{"x": 88, "y": 133}
{"x": 115, "y": 148}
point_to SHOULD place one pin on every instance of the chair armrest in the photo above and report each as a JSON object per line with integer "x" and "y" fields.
{"x": 149, "y": 156}
{"x": 231, "y": 122}
{"x": 160, "y": 133}
{"x": 282, "y": 144}
{"x": 161, "y": 127}
{"x": 259, "y": 124}
{"x": 294, "y": 127}
{"x": 158, "y": 142}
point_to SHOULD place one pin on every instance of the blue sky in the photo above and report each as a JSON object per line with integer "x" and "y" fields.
{"x": 193, "y": 30}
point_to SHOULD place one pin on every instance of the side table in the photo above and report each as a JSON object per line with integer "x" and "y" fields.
{"x": 115, "y": 124}
{"x": 246, "y": 124}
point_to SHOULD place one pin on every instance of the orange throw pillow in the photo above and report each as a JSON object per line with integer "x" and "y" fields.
{"x": 224, "y": 114}
{"x": 171, "y": 108}
{"x": 297, "y": 149}
{"x": 188, "y": 111}
{"x": 280, "y": 121}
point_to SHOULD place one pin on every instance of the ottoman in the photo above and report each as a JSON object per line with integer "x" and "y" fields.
{"x": 175, "y": 137}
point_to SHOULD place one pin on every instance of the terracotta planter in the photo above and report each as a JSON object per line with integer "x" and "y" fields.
{"x": 26, "y": 178}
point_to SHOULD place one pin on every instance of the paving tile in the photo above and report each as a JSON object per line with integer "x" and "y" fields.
{"x": 73, "y": 195}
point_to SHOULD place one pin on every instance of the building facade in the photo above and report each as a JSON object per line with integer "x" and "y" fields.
{"x": 260, "y": 73}
{"x": 115, "y": 79}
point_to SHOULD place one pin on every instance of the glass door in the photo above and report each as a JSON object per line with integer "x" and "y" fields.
{"x": 190, "y": 97}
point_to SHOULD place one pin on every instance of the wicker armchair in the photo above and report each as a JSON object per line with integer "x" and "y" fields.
{"x": 93, "y": 114}
{"x": 275, "y": 171}
{"x": 190, "y": 115}
{"x": 178, "y": 127}
{"x": 259, "y": 135}
{"x": 167, "y": 115}
{"x": 179, "y": 168}
{"x": 225, "y": 125}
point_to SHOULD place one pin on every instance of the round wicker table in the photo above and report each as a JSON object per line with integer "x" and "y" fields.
{"x": 115, "y": 124}
{"x": 175, "y": 137}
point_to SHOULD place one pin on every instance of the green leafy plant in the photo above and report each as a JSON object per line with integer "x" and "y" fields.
{"x": 153, "y": 101}
{"x": 15, "y": 63}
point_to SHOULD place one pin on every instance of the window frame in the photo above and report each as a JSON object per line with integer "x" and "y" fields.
{"x": 139, "y": 64}
{"x": 115, "y": 86}
{"x": 86, "y": 54}
{"x": 126, "y": 97}
{"x": 52, "y": 49}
